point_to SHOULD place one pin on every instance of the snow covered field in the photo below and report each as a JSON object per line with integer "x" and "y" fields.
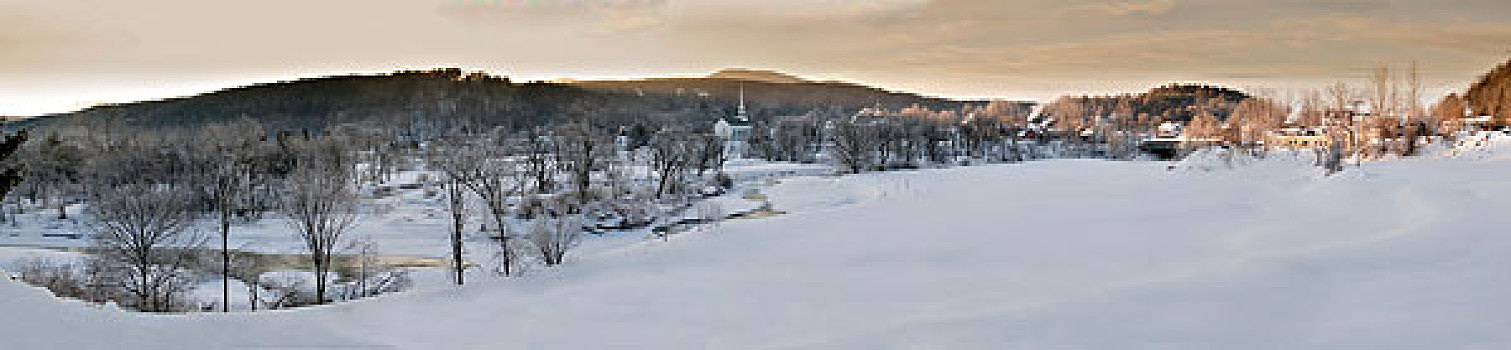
{"x": 1405, "y": 254}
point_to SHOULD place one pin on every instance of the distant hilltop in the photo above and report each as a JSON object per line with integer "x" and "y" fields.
{"x": 777, "y": 93}
{"x": 765, "y": 76}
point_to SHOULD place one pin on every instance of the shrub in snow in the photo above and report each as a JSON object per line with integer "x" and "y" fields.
{"x": 553, "y": 237}
{"x": 709, "y": 211}
{"x": 285, "y": 289}
{"x": 62, "y": 278}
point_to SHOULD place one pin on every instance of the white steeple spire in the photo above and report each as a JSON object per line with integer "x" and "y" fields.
{"x": 741, "y": 113}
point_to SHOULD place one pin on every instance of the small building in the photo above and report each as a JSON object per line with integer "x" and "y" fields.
{"x": 1298, "y": 138}
{"x": 1479, "y": 123}
{"x": 1168, "y": 130}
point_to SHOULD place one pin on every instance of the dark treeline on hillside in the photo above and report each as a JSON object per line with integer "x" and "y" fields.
{"x": 319, "y": 102}
{"x": 1176, "y": 103}
{"x": 479, "y": 99}
{"x": 770, "y": 94}
{"x": 1491, "y": 95}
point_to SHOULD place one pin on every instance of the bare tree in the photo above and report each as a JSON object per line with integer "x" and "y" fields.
{"x": 453, "y": 164}
{"x": 583, "y": 151}
{"x": 539, "y": 149}
{"x": 1381, "y": 104}
{"x": 1313, "y": 112}
{"x": 145, "y": 230}
{"x": 484, "y": 166}
{"x": 226, "y": 162}
{"x": 670, "y": 157}
{"x": 708, "y": 153}
{"x": 455, "y": 203}
{"x": 1343, "y": 115}
{"x": 1414, "y": 92}
{"x": 554, "y": 236}
{"x": 321, "y": 206}
{"x": 854, "y": 146}
{"x": 248, "y": 268}
{"x": 1419, "y": 122}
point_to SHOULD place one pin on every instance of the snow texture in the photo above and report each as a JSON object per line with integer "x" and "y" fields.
{"x": 1406, "y": 254}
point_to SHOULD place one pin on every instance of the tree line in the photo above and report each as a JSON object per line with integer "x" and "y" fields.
{"x": 150, "y": 195}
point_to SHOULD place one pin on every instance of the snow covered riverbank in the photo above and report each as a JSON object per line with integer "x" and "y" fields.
{"x": 1053, "y": 254}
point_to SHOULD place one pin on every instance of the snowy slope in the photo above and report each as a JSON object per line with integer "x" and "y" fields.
{"x": 1482, "y": 145}
{"x": 1045, "y": 255}
{"x": 32, "y": 319}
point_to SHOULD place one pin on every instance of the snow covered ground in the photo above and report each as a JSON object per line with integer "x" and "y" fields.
{"x": 1481, "y": 145}
{"x": 1405, "y": 254}
{"x": 405, "y": 223}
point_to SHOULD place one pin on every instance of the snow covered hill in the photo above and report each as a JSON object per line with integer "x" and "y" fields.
{"x": 1047, "y": 255}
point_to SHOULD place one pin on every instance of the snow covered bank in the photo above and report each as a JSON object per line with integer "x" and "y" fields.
{"x": 1482, "y": 145}
{"x": 30, "y": 318}
{"x": 1043, "y": 255}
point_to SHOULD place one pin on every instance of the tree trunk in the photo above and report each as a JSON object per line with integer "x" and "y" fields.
{"x": 143, "y": 294}
{"x": 503, "y": 239}
{"x": 456, "y": 229}
{"x": 225, "y": 259}
{"x": 252, "y": 294}
{"x": 320, "y": 267}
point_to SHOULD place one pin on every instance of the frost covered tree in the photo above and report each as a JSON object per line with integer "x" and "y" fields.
{"x": 483, "y": 164}
{"x": 456, "y": 193}
{"x": 144, "y": 231}
{"x": 854, "y": 147}
{"x": 225, "y": 161}
{"x": 538, "y": 149}
{"x": 321, "y": 206}
{"x": 707, "y": 153}
{"x": 1341, "y": 96}
{"x": 447, "y": 157}
{"x": 583, "y": 150}
{"x": 670, "y": 158}
{"x": 552, "y": 237}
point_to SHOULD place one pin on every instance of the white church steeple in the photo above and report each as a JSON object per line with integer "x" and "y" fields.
{"x": 741, "y": 113}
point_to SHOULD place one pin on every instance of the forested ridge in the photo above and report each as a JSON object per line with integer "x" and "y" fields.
{"x": 1491, "y": 95}
{"x": 1176, "y": 102}
{"x": 454, "y": 94}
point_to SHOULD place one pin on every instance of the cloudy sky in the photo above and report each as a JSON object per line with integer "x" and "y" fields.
{"x": 57, "y": 55}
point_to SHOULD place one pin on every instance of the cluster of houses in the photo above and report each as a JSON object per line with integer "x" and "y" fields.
{"x": 1168, "y": 140}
